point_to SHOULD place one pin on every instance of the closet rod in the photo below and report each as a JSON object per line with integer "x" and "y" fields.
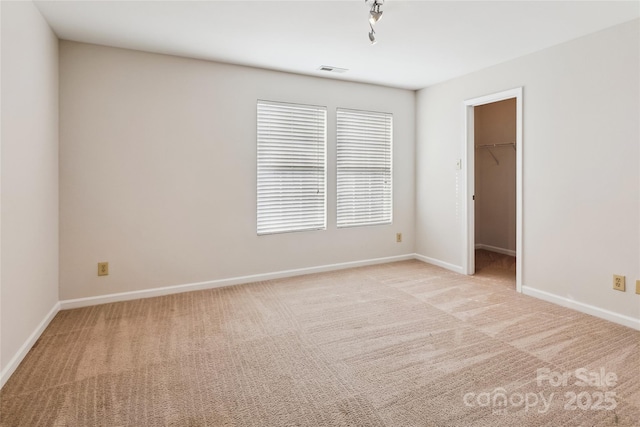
{"x": 507, "y": 144}
{"x": 490, "y": 146}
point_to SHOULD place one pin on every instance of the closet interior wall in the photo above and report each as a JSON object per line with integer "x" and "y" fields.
{"x": 495, "y": 176}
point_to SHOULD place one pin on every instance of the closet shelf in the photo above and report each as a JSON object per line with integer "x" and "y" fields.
{"x": 490, "y": 146}
{"x": 506, "y": 144}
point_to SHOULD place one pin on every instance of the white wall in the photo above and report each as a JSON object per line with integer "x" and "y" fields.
{"x": 29, "y": 180}
{"x": 581, "y": 162}
{"x": 157, "y": 171}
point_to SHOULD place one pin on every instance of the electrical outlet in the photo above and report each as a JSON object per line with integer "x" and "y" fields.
{"x": 618, "y": 283}
{"x": 638, "y": 287}
{"x": 398, "y": 237}
{"x": 103, "y": 269}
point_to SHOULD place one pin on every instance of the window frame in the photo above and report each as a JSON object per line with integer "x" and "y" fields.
{"x": 386, "y": 193}
{"x": 283, "y": 168}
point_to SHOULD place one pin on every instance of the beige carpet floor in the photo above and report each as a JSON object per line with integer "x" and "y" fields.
{"x": 498, "y": 269}
{"x": 400, "y": 344}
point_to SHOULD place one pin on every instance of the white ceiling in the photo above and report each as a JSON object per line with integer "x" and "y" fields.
{"x": 419, "y": 42}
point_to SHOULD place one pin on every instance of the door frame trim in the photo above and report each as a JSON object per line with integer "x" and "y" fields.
{"x": 468, "y": 150}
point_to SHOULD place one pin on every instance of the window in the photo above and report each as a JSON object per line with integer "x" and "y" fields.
{"x": 291, "y": 167}
{"x": 364, "y": 147}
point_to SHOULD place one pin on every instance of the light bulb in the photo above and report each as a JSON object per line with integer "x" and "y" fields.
{"x": 375, "y": 16}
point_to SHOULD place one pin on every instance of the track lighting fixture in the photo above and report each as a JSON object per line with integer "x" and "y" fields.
{"x": 375, "y": 14}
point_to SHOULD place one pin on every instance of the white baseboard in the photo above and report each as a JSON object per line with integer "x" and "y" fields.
{"x": 13, "y": 364}
{"x": 621, "y": 319}
{"x": 147, "y": 293}
{"x": 443, "y": 264}
{"x": 496, "y": 249}
{"x": 9, "y": 369}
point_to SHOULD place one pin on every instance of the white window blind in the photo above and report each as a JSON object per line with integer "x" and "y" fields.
{"x": 364, "y": 168}
{"x": 291, "y": 167}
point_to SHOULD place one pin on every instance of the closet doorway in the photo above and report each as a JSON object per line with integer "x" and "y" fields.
{"x": 493, "y": 208}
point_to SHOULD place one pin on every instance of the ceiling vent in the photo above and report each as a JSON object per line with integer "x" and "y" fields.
{"x": 330, "y": 69}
